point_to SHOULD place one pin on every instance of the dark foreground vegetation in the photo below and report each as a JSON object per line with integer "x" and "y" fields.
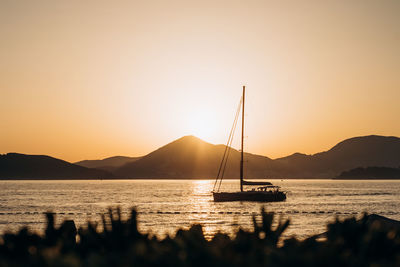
{"x": 347, "y": 243}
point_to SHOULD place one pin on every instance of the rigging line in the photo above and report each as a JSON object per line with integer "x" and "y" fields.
{"x": 229, "y": 150}
{"x": 229, "y": 139}
{"x": 227, "y": 145}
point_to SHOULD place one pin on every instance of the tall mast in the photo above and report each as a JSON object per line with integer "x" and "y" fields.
{"x": 241, "y": 153}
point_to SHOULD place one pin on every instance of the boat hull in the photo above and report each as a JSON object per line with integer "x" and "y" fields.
{"x": 258, "y": 196}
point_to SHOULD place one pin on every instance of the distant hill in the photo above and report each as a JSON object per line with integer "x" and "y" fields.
{"x": 21, "y": 166}
{"x": 190, "y": 157}
{"x": 351, "y": 153}
{"x": 108, "y": 164}
{"x": 371, "y": 173}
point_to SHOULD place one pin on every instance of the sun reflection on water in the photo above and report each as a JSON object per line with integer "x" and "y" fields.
{"x": 200, "y": 198}
{"x": 205, "y": 211}
{"x": 202, "y": 187}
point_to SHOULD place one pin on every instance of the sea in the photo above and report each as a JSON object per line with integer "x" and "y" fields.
{"x": 164, "y": 206}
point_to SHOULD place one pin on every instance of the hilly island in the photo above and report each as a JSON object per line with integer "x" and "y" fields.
{"x": 192, "y": 158}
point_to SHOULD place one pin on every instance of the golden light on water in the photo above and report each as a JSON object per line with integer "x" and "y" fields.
{"x": 201, "y": 190}
{"x": 202, "y": 187}
{"x": 205, "y": 211}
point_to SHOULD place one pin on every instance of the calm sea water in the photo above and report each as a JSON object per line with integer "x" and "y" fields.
{"x": 165, "y": 205}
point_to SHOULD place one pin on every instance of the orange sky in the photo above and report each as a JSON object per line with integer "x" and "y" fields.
{"x": 100, "y": 78}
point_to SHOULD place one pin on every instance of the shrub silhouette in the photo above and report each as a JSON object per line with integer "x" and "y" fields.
{"x": 119, "y": 243}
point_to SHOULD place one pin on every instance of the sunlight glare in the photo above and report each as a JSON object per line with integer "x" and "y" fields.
{"x": 204, "y": 125}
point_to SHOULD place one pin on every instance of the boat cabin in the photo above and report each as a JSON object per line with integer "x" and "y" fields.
{"x": 273, "y": 188}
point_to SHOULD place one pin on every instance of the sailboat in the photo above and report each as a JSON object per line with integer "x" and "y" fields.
{"x": 263, "y": 192}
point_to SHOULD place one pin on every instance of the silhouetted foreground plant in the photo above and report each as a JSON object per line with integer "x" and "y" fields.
{"x": 347, "y": 243}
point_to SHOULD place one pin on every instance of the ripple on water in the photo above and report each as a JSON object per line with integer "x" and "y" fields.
{"x": 166, "y": 205}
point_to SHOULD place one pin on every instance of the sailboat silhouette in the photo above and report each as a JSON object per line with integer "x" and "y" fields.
{"x": 266, "y": 192}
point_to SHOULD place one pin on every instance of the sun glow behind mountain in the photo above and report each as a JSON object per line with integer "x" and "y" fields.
{"x": 203, "y": 124}
{"x": 93, "y": 79}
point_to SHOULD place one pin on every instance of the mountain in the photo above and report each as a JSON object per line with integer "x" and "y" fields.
{"x": 351, "y": 153}
{"x": 190, "y": 157}
{"x": 21, "y": 166}
{"x": 108, "y": 164}
{"x": 371, "y": 173}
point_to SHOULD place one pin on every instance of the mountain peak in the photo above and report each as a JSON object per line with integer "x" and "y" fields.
{"x": 189, "y": 138}
{"x": 369, "y": 140}
{"x": 186, "y": 141}
{"x": 191, "y": 157}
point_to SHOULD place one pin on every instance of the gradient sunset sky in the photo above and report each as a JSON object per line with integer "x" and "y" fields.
{"x": 92, "y": 79}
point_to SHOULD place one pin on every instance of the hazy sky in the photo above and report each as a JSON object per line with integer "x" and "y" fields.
{"x": 91, "y": 79}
